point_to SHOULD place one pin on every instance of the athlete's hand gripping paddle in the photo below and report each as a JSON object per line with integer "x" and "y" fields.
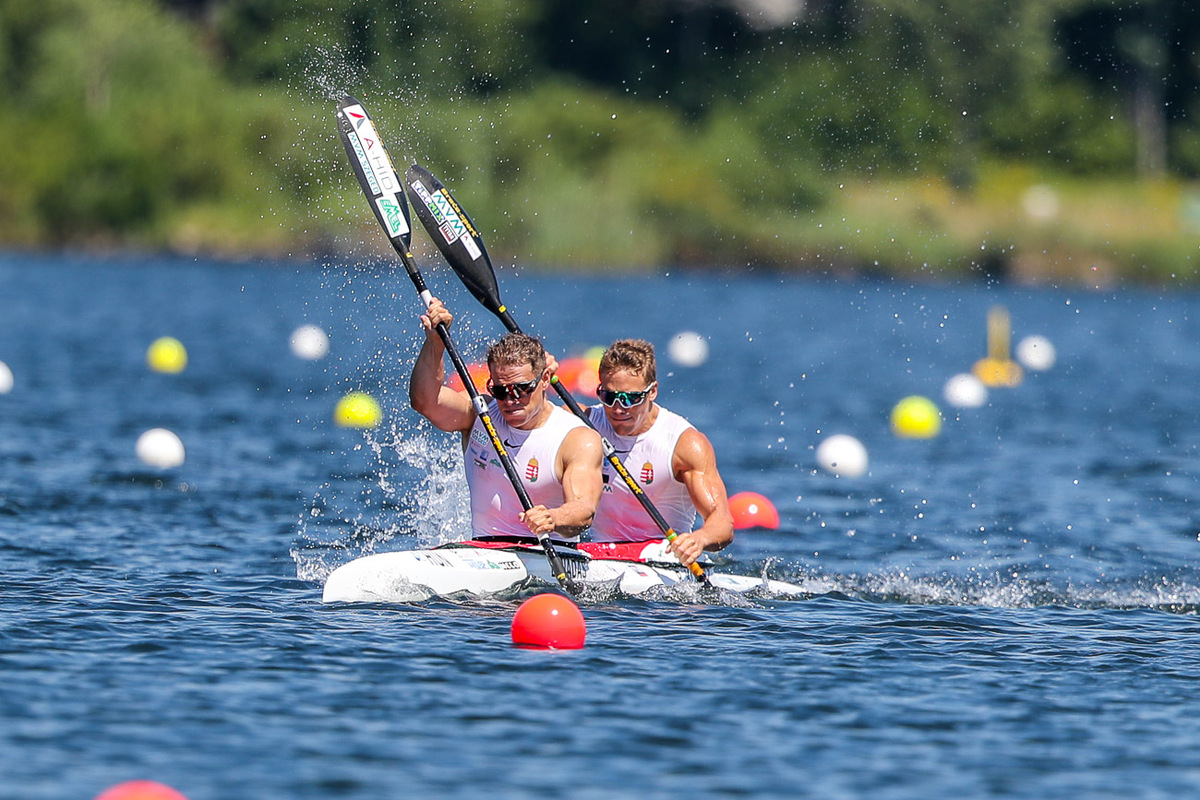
{"x": 373, "y": 167}
{"x": 458, "y": 239}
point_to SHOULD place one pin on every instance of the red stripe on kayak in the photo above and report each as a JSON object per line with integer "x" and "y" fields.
{"x": 620, "y": 551}
{"x": 611, "y": 551}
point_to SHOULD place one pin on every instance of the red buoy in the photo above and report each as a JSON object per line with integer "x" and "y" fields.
{"x": 549, "y": 620}
{"x": 140, "y": 790}
{"x": 752, "y": 510}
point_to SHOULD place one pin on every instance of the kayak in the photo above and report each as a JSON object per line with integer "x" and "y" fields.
{"x": 478, "y": 568}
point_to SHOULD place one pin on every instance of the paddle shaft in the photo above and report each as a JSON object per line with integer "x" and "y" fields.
{"x": 374, "y": 157}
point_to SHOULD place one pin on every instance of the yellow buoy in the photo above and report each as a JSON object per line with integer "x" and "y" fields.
{"x": 916, "y": 417}
{"x": 357, "y": 410}
{"x": 166, "y": 354}
{"x": 998, "y": 369}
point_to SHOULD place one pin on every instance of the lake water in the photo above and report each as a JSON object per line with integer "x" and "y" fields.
{"x": 1007, "y": 610}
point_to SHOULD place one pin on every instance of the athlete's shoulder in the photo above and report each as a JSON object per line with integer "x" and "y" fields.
{"x": 565, "y": 419}
{"x": 671, "y": 424}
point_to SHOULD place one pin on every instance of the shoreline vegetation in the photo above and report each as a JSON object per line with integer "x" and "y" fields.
{"x": 819, "y": 145}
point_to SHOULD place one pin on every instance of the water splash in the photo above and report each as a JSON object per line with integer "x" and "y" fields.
{"x": 330, "y": 70}
{"x": 414, "y": 493}
{"x": 1001, "y": 590}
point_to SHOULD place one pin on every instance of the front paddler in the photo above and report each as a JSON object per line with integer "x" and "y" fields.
{"x": 557, "y": 456}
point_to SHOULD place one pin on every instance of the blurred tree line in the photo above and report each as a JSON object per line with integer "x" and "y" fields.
{"x": 1048, "y": 138}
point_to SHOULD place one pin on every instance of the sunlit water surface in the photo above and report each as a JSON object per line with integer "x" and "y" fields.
{"x": 1008, "y": 609}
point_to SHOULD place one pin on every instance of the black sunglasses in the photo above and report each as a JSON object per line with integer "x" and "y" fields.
{"x": 503, "y": 391}
{"x": 626, "y": 399}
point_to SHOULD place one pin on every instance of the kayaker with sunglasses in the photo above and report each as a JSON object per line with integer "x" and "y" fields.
{"x": 557, "y": 456}
{"x": 672, "y": 461}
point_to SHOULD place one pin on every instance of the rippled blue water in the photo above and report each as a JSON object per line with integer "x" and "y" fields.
{"x": 1006, "y": 610}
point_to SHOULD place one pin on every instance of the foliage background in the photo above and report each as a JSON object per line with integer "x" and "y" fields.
{"x": 1041, "y": 140}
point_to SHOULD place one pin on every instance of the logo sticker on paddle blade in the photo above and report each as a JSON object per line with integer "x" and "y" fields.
{"x": 450, "y": 224}
{"x": 392, "y": 214}
{"x": 363, "y": 164}
{"x": 372, "y": 156}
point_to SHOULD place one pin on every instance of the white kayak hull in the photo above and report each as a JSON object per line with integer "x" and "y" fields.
{"x": 410, "y": 576}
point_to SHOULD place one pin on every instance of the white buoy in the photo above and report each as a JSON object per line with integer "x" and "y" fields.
{"x": 688, "y": 349}
{"x": 159, "y": 447}
{"x": 310, "y": 342}
{"x": 965, "y": 391}
{"x": 1036, "y": 353}
{"x": 6, "y": 378}
{"x": 1040, "y": 202}
{"x": 843, "y": 455}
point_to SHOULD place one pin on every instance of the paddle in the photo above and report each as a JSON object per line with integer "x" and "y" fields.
{"x": 456, "y": 236}
{"x": 381, "y": 185}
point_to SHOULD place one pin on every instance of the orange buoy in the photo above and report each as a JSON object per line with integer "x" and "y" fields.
{"x": 140, "y": 790}
{"x": 998, "y": 370}
{"x": 549, "y": 621}
{"x": 998, "y": 373}
{"x": 479, "y": 376}
{"x": 752, "y": 510}
{"x": 580, "y": 375}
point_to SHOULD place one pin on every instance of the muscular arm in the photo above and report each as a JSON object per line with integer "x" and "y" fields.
{"x": 580, "y": 457}
{"x": 447, "y": 409}
{"x": 695, "y": 465}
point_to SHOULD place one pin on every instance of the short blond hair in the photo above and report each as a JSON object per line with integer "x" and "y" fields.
{"x": 630, "y": 355}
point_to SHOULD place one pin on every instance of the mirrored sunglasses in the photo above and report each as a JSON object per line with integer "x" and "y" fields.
{"x": 504, "y": 391}
{"x": 626, "y": 399}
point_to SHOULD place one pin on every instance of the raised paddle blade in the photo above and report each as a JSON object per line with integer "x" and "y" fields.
{"x": 375, "y": 172}
{"x": 455, "y": 235}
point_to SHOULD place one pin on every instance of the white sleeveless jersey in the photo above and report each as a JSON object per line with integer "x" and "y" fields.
{"x": 648, "y": 457}
{"x": 494, "y": 503}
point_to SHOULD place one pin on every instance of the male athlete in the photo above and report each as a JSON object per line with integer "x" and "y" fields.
{"x": 556, "y": 455}
{"x": 672, "y": 461}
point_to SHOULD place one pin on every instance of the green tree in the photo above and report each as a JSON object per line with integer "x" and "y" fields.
{"x": 402, "y": 47}
{"x": 135, "y": 132}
